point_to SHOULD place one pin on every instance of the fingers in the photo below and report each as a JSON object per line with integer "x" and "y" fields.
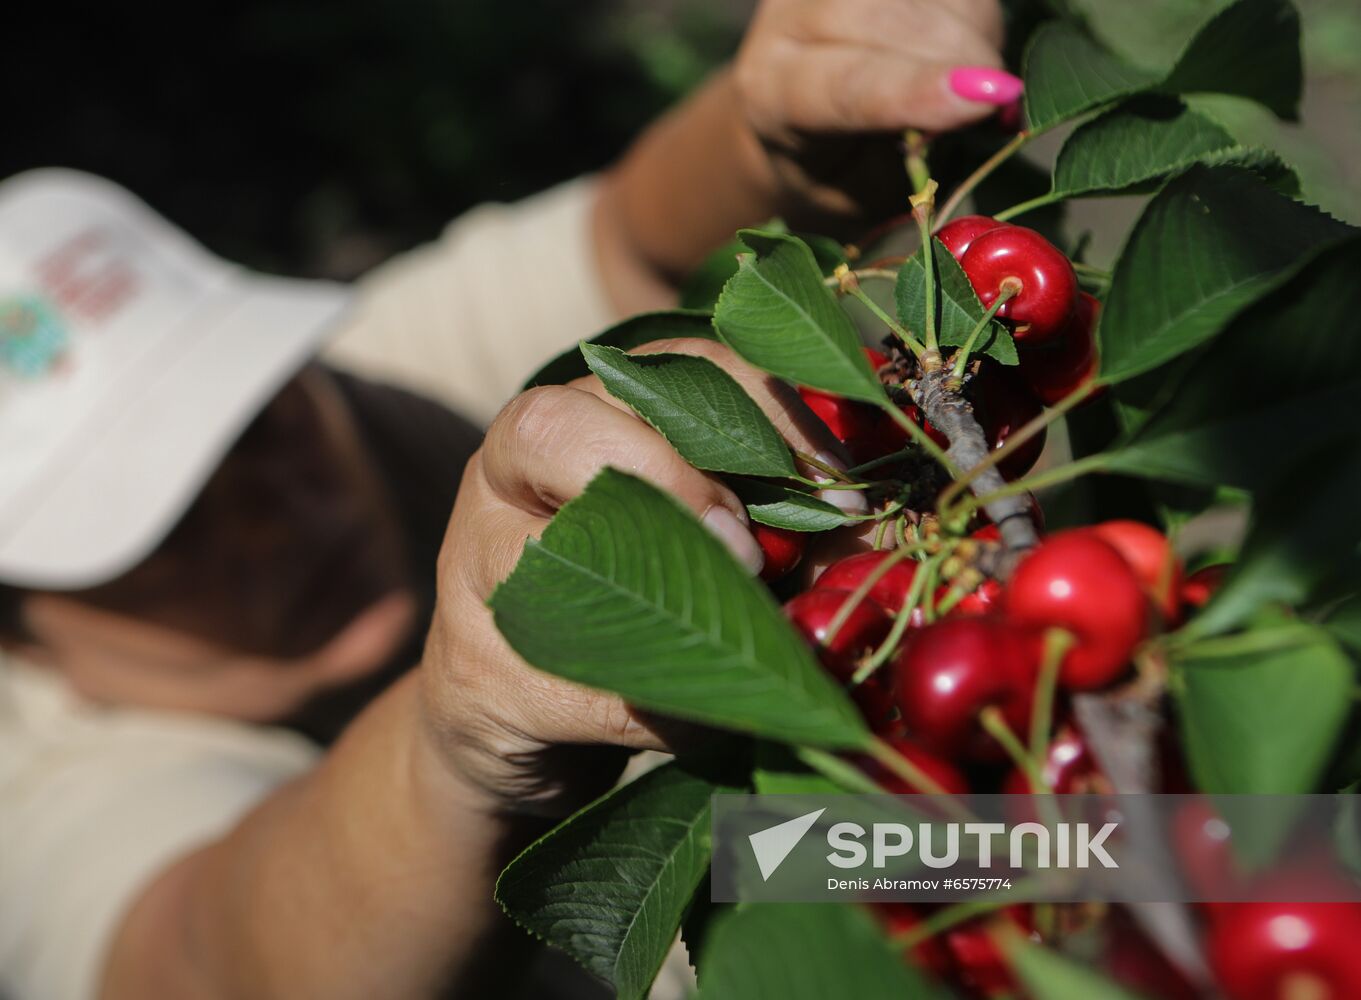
{"x": 548, "y": 444}
{"x": 780, "y": 402}
{"x": 879, "y": 65}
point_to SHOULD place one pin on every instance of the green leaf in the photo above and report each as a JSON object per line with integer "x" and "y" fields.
{"x": 784, "y": 507}
{"x": 698, "y": 407}
{"x": 790, "y": 951}
{"x": 1241, "y": 389}
{"x": 1261, "y": 712}
{"x": 1132, "y": 145}
{"x": 1292, "y": 546}
{"x": 1067, "y": 73}
{"x": 1250, "y": 49}
{"x": 957, "y": 307}
{"x": 610, "y": 885}
{"x": 777, "y": 313}
{"x": 1344, "y": 624}
{"x": 704, "y": 285}
{"x": 631, "y": 333}
{"x": 1213, "y": 241}
{"x": 628, "y": 592}
{"x": 1047, "y": 975}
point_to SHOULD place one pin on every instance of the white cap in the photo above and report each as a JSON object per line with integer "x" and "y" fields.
{"x": 130, "y": 360}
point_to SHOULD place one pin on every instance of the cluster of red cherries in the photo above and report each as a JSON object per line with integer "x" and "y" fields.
{"x": 973, "y": 649}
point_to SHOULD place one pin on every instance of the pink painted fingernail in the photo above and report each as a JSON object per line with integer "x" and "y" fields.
{"x": 985, "y": 84}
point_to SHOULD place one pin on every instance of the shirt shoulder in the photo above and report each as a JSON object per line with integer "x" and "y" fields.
{"x": 94, "y": 803}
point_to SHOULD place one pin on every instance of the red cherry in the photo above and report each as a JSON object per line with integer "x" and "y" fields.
{"x": 877, "y": 359}
{"x": 1004, "y": 404}
{"x": 889, "y": 591}
{"x": 1076, "y": 581}
{"x": 1056, "y": 369}
{"x": 950, "y": 671}
{"x": 1043, "y": 307}
{"x": 1150, "y": 555}
{"x": 866, "y": 627}
{"x": 1201, "y": 585}
{"x": 782, "y": 548}
{"x": 845, "y": 418}
{"x": 1068, "y": 767}
{"x": 930, "y": 955}
{"x": 939, "y": 770}
{"x": 957, "y": 234}
{"x": 1280, "y": 950}
{"x": 1201, "y": 841}
{"x": 980, "y": 965}
{"x": 983, "y": 600}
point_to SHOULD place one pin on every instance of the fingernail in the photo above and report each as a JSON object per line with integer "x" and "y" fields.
{"x": 846, "y": 501}
{"x": 734, "y": 534}
{"x": 985, "y": 84}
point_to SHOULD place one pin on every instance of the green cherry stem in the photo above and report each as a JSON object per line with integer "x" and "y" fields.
{"x": 853, "y": 289}
{"x": 901, "y": 767}
{"x": 976, "y": 178}
{"x": 1057, "y": 642}
{"x": 862, "y": 591}
{"x": 813, "y": 462}
{"x": 919, "y": 436}
{"x": 1010, "y": 287}
{"x": 1061, "y": 474}
{"x": 996, "y": 726}
{"x": 1025, "y": 206}
{"x": 1014, "y": 441}
{"x": 900, "y": 625}
{"x": 888, "y": 459}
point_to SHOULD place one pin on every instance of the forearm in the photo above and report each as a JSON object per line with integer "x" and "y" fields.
{"x": 685, "y": 186}
{"x": 372, "y": 876}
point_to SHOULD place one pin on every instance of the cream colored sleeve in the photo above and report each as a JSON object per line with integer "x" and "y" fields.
{"x": 94, "y": 804}
{"x": 466, "y": 319}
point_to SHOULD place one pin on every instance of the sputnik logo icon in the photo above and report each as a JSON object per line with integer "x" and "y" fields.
{"x": 772, "y": 845}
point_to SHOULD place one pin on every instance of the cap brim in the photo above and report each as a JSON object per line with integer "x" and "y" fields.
{"x": 142, "y": 453}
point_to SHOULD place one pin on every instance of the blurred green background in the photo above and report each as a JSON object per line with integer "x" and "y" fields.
{"x": 318, "y": 137}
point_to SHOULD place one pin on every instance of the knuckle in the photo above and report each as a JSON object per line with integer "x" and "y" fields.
{"x": 532, "y": 414}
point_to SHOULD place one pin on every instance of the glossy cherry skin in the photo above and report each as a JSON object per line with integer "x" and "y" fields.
{"x": 845, "y": 418}
{"x": 1004, "y": 404}
{"x": 1134, "y": 962}
{"x": 1258, "y": 949}
{"x": 889, "y": 591}
{"x": 1057, "y": 369}
{"x": 1150, "y": 555}
{"x": 957, "y": 234}
{"x": 1043, "y": 307}
{"x": 1076, "y": 581}
{"x": 1069, "y": 768}
{"x": 1203, "y": 846}
{"x": 948, "y": 672}
{"x": 782, "y": 548}
{"x": 979, "y": 964}
{"x": 950, "y": 779}
{"x": 867, "y": 626}
{"x": 1200, "y": 586}
{"x": 983, "y": 600}
{"x": 930, "y": 955}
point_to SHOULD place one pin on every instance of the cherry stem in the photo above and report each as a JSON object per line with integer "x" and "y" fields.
{"x": 911, "y": 342}
{"x": 816, "y": 463}
{"x": 976, "y": 178}
{"x": 862, "y": 591}
{"x": 833, "y": 486}
{"x": 900, "y": 767}
{"x": 838, "y": 771}
{"x": 1057, "y": 642}
{"x": 1026, "y": 206}
{"x": 922, "y": 212}
{"x": 888, "y": 459}
{"x": 1061, "y": 474}
{"x": 1010, "y": 288}
{"x": 1014, "y": 441}
{"x": 1092, "y": 272}
{"x": 900, "y": 625}
{"x": 920, "y": 436}
{"x": 944, "y": 919}
{"x": 879, "y": 536}
{"x": 996, "y": 726}
{"x": 881, "y": 273}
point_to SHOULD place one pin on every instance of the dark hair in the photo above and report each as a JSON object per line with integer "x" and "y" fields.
{"x": 280, "y": 549}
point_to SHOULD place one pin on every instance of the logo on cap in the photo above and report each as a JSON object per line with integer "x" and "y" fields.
{"x": 33, "y": 340}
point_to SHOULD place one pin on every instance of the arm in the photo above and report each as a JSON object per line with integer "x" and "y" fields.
{"x": 373, "y": 874}
{"x": 804, "y": 124}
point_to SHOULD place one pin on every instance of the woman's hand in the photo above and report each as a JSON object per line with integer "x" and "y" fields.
{"x": 818, "y": 81}
{"x": 526, "y": 741}
{"x": 805, "y": 125}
